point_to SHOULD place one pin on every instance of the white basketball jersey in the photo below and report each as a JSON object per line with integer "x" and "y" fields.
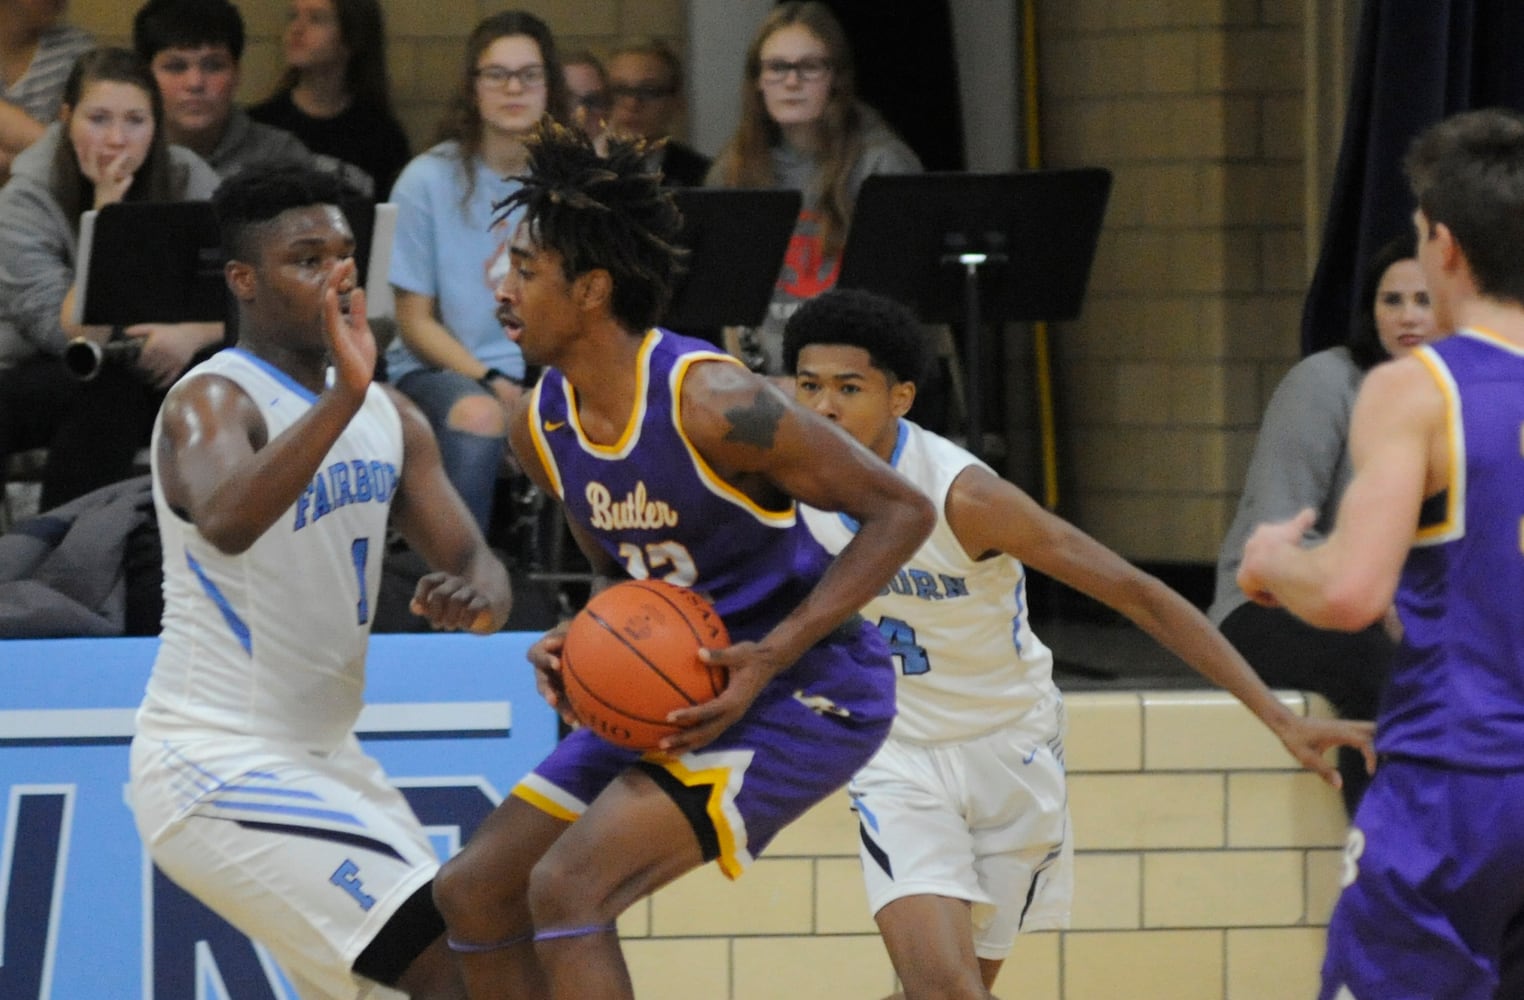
{"x": 969, "y": 663}
{"x": 271, "y": 642}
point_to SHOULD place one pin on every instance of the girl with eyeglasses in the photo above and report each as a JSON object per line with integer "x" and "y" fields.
{"x": 802, "y": 127}
{"x": 450, "y": 356}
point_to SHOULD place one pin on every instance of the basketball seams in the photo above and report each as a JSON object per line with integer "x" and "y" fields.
{"x": 622, "y": 712}
{"x": 627, "y": 644}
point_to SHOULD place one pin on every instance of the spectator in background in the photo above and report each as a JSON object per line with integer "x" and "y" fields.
{"x": 587, "y": 94}
{"x": 108, "y": 146}
{"x": 1301, "y": 460}
{"x": 802, "y": 127}
{"x": 335, "y": 96}
{"x": 451, "y": 356}
{"x": 646, "y": 99}
{"x": 36, "y": 54}
{"x": 194, "y": 48}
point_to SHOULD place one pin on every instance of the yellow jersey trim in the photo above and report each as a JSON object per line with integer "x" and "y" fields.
{"x": 718, "y": 779}
{"x": 784, "y": 518}
{"x": 1454, "y": 524}
{"x": 543, "y": 803}
{"x": 631, "y": 433}
{"x": 542, "y": 446}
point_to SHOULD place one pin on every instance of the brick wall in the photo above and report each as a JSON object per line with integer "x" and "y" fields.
{"x": 1195, "y": 298}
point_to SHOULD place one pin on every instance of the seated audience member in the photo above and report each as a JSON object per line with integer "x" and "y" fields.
{"x": 335, "y": 96}
{"x": 802, "y": 127}
{"x": 587, "y": 94}
{"x": 108, "y": 146}
{"x": 36, "y": 54}
{"x": 451, "y": 356}
{"x": 194, "y": 48}
{"x": 645, "y": 100}
{"x": 1301, "y": 461}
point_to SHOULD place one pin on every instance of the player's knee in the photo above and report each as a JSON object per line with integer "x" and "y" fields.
{"x": 462, "y": 895}
{"x": 483, "y": 416}
{"x": 560, "y": 895}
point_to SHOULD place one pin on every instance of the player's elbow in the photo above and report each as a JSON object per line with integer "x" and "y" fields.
{"x": 1351, "y": 605}
{"x": 920, "y": 518}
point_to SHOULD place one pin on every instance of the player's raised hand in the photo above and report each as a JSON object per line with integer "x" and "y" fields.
{"x": 1264, "y": 547}
{"x": 351, "y": 344}
{"x": 450, "y": 603}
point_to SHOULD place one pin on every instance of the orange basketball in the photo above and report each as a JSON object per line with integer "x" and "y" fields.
{"x": 631, "y": 656}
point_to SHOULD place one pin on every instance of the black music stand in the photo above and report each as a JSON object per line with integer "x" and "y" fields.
{"x": 736, "y": 238}
{"x": 961, "y": 248}
{"x": 143, "y": 262}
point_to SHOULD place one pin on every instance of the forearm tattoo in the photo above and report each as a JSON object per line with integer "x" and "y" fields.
{"x": 757, "y": 423}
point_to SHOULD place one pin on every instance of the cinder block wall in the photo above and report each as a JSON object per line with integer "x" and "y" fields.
{"x": 1206, "y": 867}
{"x": 1195, "y": 297}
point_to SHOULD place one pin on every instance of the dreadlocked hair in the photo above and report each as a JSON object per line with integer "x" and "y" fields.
{"x": 602, "y": 212}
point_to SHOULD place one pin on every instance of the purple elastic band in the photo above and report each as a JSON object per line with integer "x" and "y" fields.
{"x": 556, "y": 933}
{"x": 467, "y": 948}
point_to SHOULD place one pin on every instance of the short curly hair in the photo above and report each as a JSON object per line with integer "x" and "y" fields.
{"x": 603, "y": 212}
{"x": 887, "y": 330}
{"x": 249, "y": 201}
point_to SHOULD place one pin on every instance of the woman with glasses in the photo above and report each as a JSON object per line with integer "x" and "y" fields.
{"x": 334, "y": 94}
{"x": 451, "y": 357}
{"x": 802, "y": 127}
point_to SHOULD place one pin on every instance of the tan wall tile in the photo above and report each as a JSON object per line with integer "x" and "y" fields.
{"x": 830, "y": 828}
{"x": 1222, "y": 888}
{"x": 1179, "y": 726}
{"x": 841, "y": 901}
{"x": 1129, "y": 812}
{"x": 1157, "y": 965}
{"x": 1273, "y": 964}
{"x": 688, "y": 967}
{"x": 636, "y": 921}
{"x": 1108, "y": 891}
{"x": 1031, "y": 970}
{"x": 1105, "y": 732}
{"x": 805, "y": 968}
{"x": 1265, "y": 59}
{"x": 1284, "y": 810}
{"x": 1324, "y": 871}
{"x": 773, "y": 897}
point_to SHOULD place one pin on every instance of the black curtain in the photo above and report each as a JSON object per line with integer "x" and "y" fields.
{"x": 907, "y": 69}
{"x": 1416, "y": 61}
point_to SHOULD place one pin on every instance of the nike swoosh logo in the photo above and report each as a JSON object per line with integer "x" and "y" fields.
{"x": 554, "y": 425}
{"x": 1028, "y": 758}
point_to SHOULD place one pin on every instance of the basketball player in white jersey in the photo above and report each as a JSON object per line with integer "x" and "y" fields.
{"x": 964, "y": 811}
{"x": 275, "y": 477}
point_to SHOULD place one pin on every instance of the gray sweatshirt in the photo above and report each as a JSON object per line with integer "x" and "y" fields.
{"x": 38, "y": 246}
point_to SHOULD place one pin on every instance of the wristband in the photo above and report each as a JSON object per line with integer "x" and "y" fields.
{"x": 489, "y": 375}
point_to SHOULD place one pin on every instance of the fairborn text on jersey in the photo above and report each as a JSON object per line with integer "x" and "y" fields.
{"x": 912, "y": 582}
{"x": 344, "y": 483}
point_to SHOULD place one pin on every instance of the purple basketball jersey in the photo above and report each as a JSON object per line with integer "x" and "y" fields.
{"x": 1456, "y": 692}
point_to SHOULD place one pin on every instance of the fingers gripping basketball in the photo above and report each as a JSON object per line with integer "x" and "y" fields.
{"x": 631, "y": 657}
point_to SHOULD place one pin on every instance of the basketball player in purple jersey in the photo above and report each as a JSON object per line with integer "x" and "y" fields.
{"x": 1434, "y": 867}
{"x": 673, "y": 462}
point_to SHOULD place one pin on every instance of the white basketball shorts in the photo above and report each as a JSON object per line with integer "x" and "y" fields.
{"x": 308, "y": 854}
{"x": 986, "y": 821}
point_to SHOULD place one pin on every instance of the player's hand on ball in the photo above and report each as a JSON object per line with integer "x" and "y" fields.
{"x": 545, "y": 657}
{"x": 749, "y": 666}
{"x": 449, "y": 603}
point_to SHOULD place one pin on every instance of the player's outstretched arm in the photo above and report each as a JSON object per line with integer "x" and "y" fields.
{"x": 758, "y": 439}
{"x": 469, "y": 587}
{"x": 990, "y": 515}
{"x": 1400, "y": 455}
{"x": 217, "y": 467}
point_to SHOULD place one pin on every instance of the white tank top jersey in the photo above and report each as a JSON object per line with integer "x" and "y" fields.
{"x": 968, "y": 661}
{"x": 271, "y": 643}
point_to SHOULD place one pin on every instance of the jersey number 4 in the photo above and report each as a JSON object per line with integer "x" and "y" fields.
{"x": 901, "y": 639}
